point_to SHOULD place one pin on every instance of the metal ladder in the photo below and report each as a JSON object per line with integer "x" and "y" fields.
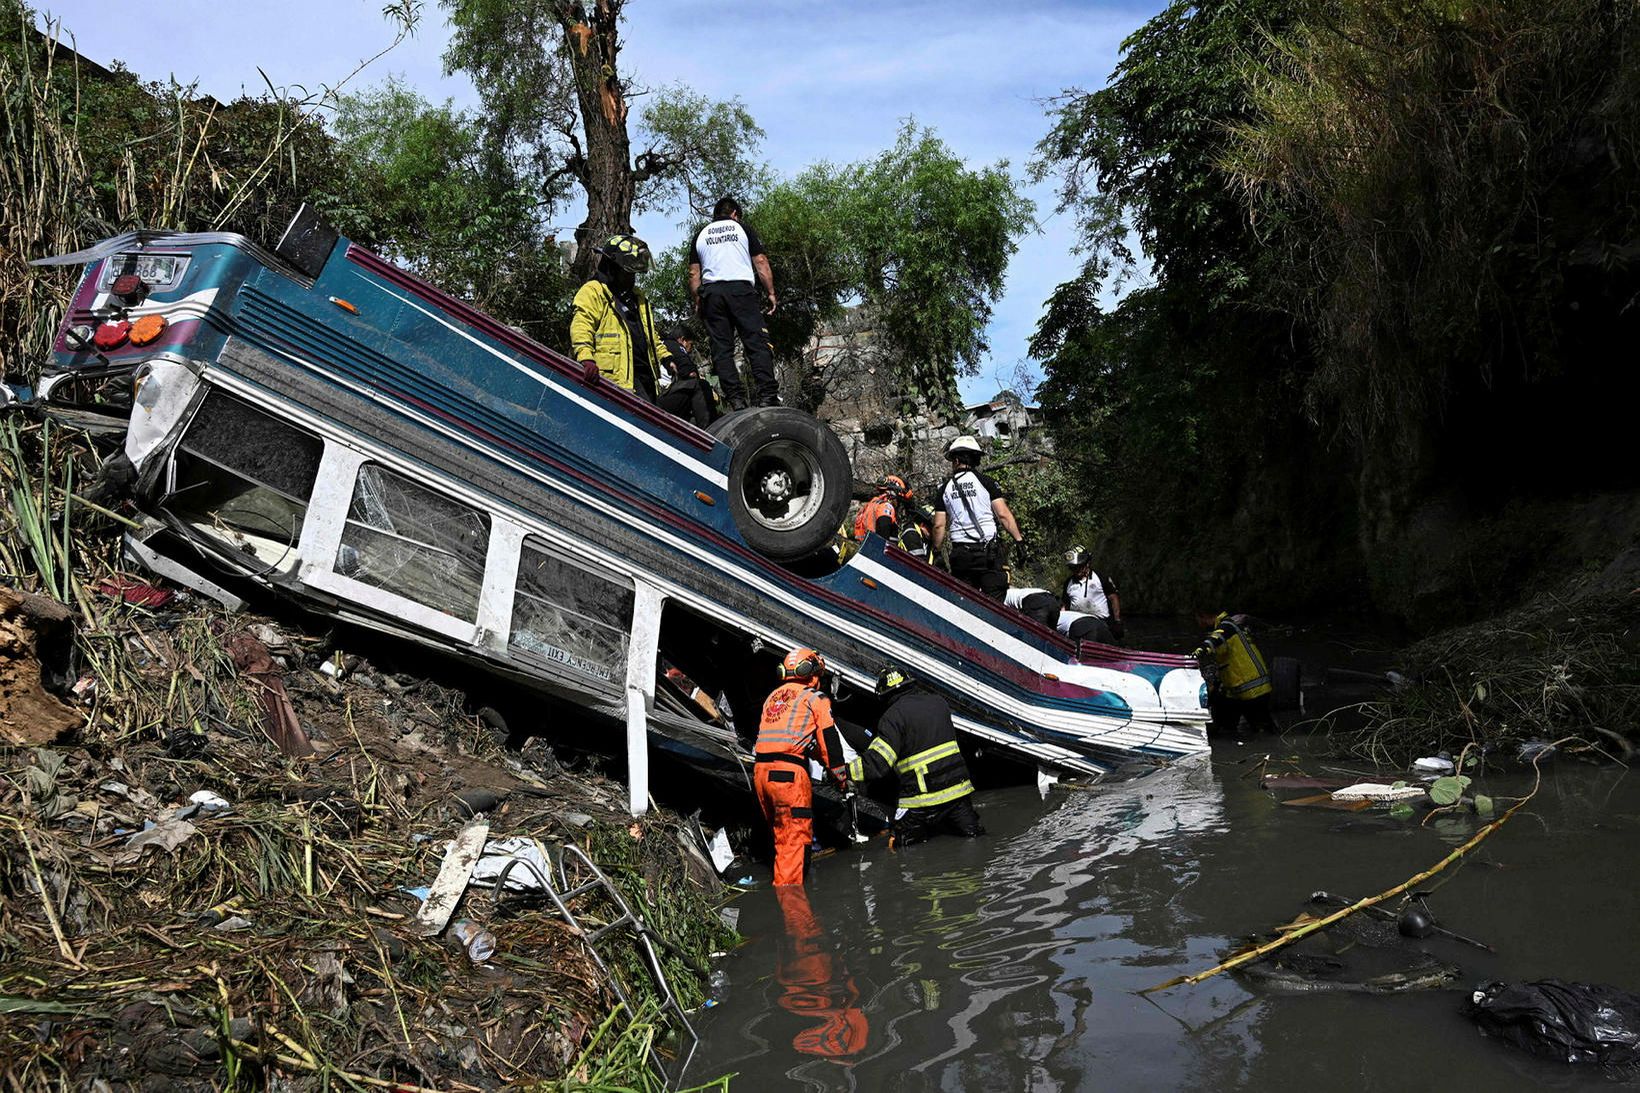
{"x": 562, "y": 894}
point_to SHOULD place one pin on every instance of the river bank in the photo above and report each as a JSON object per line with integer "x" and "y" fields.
{"x": 218, "y": 831}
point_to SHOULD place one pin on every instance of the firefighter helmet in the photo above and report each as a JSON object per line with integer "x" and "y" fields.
{"x": 626, "y": 251}
{"x": 1077, "y": 557}
{"x": 802, "y": 664}
{"x": 961, "y": 445}
{"x": 891, "y": 679}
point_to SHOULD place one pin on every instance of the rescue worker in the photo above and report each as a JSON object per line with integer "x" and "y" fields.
{"x": 893, "y": 513}
{"x": 972, "y": 512}
{"x": 1092, "y": 594}
{"x": 796, "y": 726}
{"x": 611, "y": 328}
{"x": 916, "y": 740}
{"x": 881, "y": 513}
{"x": 688, "y": 396}
{"x": 728, "y": 258}
{"x": 1080, "y": 626}
{"x": 1238, "y": 677}
{"x": 1034, "y": 603}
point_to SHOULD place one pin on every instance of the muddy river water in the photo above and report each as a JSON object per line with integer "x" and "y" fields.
{"x": 1013, "y": 962}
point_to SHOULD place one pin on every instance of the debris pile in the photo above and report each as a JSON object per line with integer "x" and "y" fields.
{"x": 211, "y": 867}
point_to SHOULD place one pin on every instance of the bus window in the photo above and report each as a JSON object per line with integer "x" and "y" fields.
{"x": 570, "y": 615}
{"x": 408, "y": 540}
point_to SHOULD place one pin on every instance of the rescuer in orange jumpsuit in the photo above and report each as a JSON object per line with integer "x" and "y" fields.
{"x": 816, "y": 985}
{"x": 881, "y": 514}
{"x": 796, "y": 727}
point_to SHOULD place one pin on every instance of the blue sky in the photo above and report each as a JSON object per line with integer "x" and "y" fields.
{"x": 826, "y": 79}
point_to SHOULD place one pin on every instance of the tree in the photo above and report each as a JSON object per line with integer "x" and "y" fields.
{"x": 424, "y": 185}
{"x": 553, "y": 88}
{"x": 1458, "y": 186}
{"x": 915, "y": 237}
{"x": 1177, "y": 397}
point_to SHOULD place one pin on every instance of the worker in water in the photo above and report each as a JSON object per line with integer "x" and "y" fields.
{"x": 1238, "y": 677}
{"x": 1034, "y": 603}
{"x": 975, "y": 517}
{"x": 796, "y": 726}
{"x": 815, "y": 984}
{"x": 916, "y": 740}
{"x": 611, "y": 328}
{"x": 1091, "y": 594}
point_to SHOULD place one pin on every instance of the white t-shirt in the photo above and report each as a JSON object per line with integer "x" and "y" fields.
{"x": 967, "y": 498}
{"x": 1089, "y": 596}
{"x": 724, "y": 250}
{"x": 1068, "y": 618}
{"x": 1016, "y": 596}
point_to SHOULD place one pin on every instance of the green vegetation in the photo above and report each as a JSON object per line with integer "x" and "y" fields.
{"x": 914, "y": 236}
{"x": 1381, "y": 250}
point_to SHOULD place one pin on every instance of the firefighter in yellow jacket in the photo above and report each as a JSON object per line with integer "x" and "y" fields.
{"x": 1238, "y": 676}
{"x": 612, "y": 330}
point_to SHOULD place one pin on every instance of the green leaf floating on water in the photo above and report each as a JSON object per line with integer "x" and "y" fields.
{"x": 1483, "y": 805}
{"x": 1400, "y": 810}
{"x": 1446, "y": 791}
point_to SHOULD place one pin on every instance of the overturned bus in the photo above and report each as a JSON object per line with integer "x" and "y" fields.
{"x": 315, "y": 420}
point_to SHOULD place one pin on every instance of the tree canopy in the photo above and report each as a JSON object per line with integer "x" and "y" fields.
{"x": 556, "y": 93}
{"x": 915, "y": 236}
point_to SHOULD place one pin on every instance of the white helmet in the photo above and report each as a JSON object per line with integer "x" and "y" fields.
{"x": 962, "y": 444}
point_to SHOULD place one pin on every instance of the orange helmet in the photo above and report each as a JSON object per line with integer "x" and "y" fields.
{"x": 802, "y": 664}
{"x": 894, "y": 484}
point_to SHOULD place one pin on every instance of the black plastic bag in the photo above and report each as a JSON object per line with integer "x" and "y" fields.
{"x": 1571, "y": 1022}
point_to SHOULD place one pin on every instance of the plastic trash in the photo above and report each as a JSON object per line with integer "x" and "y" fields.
{"x": 1569, "y": 1022}
{"x": 1433, "y": 764}
{"x": 499, "y": 857}
{"x": 723, "y": 855}
{"x": 1377, "y": 791}
{"x": 479, "y": 942}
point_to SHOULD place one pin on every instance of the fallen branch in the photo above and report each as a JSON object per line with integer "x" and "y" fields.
{"x": 1250, "y": 955}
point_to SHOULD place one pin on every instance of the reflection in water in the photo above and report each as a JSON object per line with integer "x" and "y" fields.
{"x": 970, "y": 959}
{"x": 815, "y": 985}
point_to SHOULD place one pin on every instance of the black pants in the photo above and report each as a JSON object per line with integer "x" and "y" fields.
{"x": 1228, "y": 712}
{"x": 953, "y": 818}
{"x": 1040, "y": 606}
{"x": 1091, "y": 629}
{"x": 732, "y": 307}
{"x": 690, "y": 399}
{"x": 979, "y": 565}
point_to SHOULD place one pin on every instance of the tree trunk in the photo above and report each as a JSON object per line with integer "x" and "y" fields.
{"x": 593, "y": 42}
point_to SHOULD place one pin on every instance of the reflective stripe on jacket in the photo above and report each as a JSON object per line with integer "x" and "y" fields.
{"x": 597, "y": 331}
{"x": 1242, "y": 671}
{"x": 797, "y": 722}
{"x": 916, "y": 740}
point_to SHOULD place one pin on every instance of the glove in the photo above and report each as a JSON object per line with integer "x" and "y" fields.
{"x": 589, "y": 372}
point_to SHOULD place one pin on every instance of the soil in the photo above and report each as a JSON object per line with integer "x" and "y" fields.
{"x": 271, "y": 941}
{"x": 29, "y": 714}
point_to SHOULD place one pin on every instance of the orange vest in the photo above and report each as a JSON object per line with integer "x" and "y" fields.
{"x": 870, "y": 511}
{"x": 794, "y": 718}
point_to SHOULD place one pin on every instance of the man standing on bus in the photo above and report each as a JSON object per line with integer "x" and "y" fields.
{"x": 728, "y": 259}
